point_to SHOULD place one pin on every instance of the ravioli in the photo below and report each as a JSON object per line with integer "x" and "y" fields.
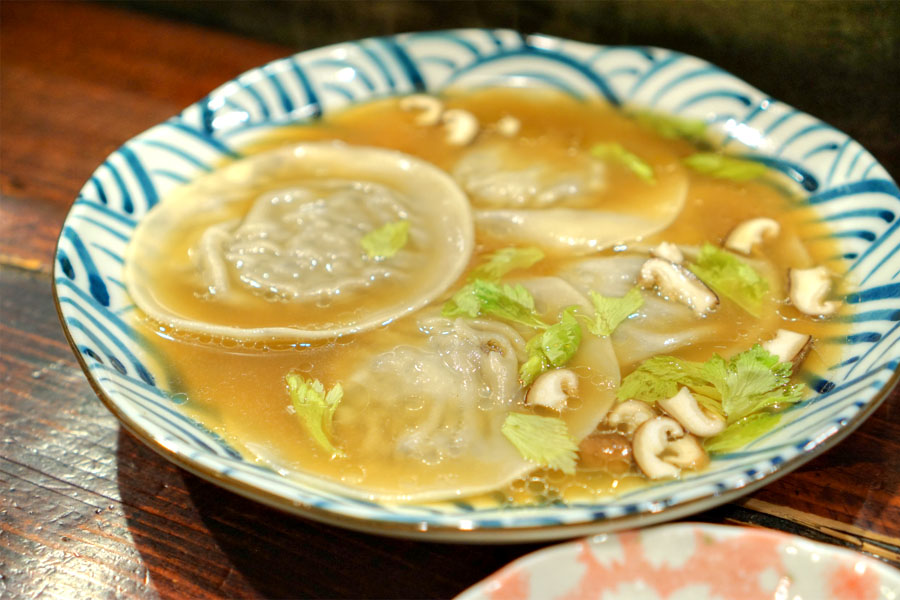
{"x": 662, "y": 326}
{"x": 560, "y": 199}
{"x": 270, "y": 247}
{"x": 426, "y": 407}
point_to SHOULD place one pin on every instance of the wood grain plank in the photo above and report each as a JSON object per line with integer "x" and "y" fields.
{"x": 87, "y": 510}
{"x": 71, "y": 96}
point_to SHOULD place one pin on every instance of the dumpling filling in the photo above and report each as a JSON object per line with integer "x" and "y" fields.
{"x": 305, "y": 243}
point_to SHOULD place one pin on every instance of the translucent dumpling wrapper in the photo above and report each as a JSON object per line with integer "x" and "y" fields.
{"x": 421, "y": 416}
{"x": 560, "y": 199}
{"x": 663, "y": 325}
{"x": 271, "y": 247}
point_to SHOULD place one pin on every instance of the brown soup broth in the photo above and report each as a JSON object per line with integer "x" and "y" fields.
{"x": 238, "y": 391}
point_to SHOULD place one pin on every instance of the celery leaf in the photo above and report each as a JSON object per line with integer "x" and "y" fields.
{"x": 731, "y": 277}
{"x": 671, "y": 127}
{"x": 386, "y": 241}
{"x": 551, "y": 348}
{"x": 616, "y": 152}
{"x": 610, "y": 312}
{"x": 315, "y": 408}
{"x": 542, "y": 440}
{"x": 481, "y": 297}
{"x": 505, "y": 260}
{"x": 751, "y": 383}
{"x": 725, "y": 167}
{"x": 739, "y": 434}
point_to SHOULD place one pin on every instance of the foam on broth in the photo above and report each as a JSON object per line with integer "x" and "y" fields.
{"x": 237, "y": 389}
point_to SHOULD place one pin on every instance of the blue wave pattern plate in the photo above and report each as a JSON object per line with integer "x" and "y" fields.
{"x": 845, "y": 183}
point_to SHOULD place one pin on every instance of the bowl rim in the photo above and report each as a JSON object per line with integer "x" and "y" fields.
{"x": 548, "y": 554}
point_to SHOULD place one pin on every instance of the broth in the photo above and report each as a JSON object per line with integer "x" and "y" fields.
{"x": 236, "y": 388}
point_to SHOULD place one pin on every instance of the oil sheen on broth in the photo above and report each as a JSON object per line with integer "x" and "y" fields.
{"x": 594, "y": 222}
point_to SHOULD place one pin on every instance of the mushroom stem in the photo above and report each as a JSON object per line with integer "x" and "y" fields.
{"x": 809, "y": 288}
{"x": 789, "y": 346}
{"x": 677, "y": 282}
{"x": 428, "y": 107}
{"x": 684, "y": 408}
{"x": 553, "y": 389}
{"x": 461, "y": 126}
{"x": 686, "y": 453}
{"x": 750, "y": 233}
{"x": 668, "y": 251}
{"x": 508, "y": 126}
{"x": 651, "y": 440}
{"x": 629, "y": 415}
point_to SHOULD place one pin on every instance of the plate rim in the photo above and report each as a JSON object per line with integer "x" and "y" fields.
{"x": 539, "y": 555}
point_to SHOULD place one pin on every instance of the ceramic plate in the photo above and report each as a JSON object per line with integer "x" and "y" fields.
{"x": 691, "y": 562}
{"x": 845, "y": 183}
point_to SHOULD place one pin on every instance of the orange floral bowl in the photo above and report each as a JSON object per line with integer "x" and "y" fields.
{"x": 691, "y": 561}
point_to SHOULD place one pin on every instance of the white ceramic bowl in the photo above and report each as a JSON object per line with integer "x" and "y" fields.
{"x": 845, "y": 184}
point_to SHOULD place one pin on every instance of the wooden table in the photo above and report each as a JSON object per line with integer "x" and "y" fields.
{"x": 88, "y": 511}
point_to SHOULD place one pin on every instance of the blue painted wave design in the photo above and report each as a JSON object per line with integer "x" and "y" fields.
{"x": 849, "y": 188}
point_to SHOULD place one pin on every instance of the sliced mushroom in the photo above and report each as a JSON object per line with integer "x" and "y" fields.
{"x": 674, "y": 281}
{"x": 749, "y": 233}
{"x": 461, "y": 126}
{"x": 428, "y": 107}
{"x": 809, "y": 288}
{"x": 629, "y": 415}
{"x": 684, "y": 408}
{"x": 605, "y": 451}
{"x": 668, "y": 251}
{"x": 789, "y": 346}
{"x": 650, "y": 440}
{"x": 553, "y": 389}
{"x": 508, "y": 126}
{"x": 686, "y": 453}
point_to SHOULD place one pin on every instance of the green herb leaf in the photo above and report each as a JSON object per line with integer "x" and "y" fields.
{"x": 503, "y": 261}
{"x": 315, "y": 408}
{"x": 610, "y": 312}
{"x": 387, "y": 240}
{"x": 753, "y": 382}
{"x": 552, "y": 348}
{"x": 616, "y": 152}
{"x": 481, "y": 297}
{"x": 671, "y": 127}
{"x": 739, "y": 434}
{"x": 542, "y": 440}
{"x": 731, "y": 277}
{"x": 725, "y": 167}
{"x": 464, "y": 303}
{"x": 660, "y": 377}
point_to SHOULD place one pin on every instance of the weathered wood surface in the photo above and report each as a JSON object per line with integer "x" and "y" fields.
{"x": 86, "y": 511}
